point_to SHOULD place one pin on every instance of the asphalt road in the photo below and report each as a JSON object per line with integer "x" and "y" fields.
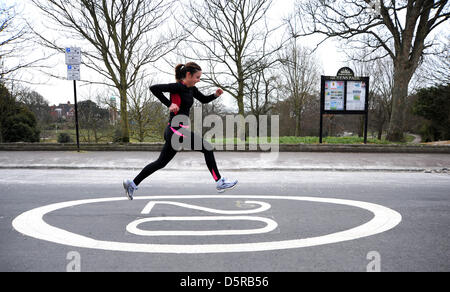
{"x": 420, "y": 242}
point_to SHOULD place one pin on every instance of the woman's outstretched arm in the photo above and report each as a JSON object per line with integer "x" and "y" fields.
{"x": 158, "y": 90}
{"x": 206, "y": 98}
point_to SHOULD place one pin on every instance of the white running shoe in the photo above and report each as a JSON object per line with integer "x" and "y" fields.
{"x": 223, "y": 185}
{"x": 130, "y": 187}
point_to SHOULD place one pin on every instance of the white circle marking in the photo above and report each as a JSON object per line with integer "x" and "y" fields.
{"x": 31, "y": 223}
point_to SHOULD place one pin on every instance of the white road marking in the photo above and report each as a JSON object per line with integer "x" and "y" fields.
{"x": 264, "y": 207}
{"x": 31, "y": 223}
{"x": 270, "y": 226}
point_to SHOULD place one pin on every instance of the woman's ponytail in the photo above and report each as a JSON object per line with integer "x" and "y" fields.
{"x": 182, "y": 69}
{"x": 179, "y": 74}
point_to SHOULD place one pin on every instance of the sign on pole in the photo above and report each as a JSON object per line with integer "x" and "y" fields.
{"x": 73, "y": 56}
{"x": 73, "y": 62}
{"x": 344, "y": 94}
{"x": 73, "y": 72}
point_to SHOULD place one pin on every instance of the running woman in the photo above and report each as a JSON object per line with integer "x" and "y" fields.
{"x": 182, "y": 94}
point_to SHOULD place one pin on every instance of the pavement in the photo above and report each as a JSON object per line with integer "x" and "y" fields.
{"x": 230, "y": 161}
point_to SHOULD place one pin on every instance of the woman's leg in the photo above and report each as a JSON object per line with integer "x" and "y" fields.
{"x": 207, "y": 152}
{"x": 222, "y": 183}
{"x": 211, "y": 164}
{"x": 167, "y": 154}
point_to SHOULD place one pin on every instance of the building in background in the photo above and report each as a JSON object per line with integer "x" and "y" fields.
{"x": 63, "y": 112}
{"x": 113, "y": 113}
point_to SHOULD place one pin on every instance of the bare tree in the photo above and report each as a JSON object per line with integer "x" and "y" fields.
{"x": 121, "y": 34}
{"x": 435, "y": 70}
{"x": 36, "y": 104}
{"x": 301, "y": 73}
{"x": 232, "y": 37}
{"x": 147, "y": 114}
{"x": 15, "y": 44}
{"x": 380, "y": 101}
{"x": 395, "y": 29}
{"x": 261, "y": 91}
{"x": 94, "y": 120}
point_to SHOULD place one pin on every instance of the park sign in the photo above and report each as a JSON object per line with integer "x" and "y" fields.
{"x": 344, "y": 93}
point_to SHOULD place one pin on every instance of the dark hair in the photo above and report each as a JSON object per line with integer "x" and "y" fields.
{"x": 182, "y": 69}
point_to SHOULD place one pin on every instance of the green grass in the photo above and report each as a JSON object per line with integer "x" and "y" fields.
{"x": 52, "y": 138}
{"x": 314, "y": 140}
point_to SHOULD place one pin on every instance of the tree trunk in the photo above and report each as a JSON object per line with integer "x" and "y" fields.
{"x": 380, "y": 128}
{"x": 241, "y": 133}
{"x": 141, "y": 130}
{"x": 240, "y": 101}
{"x": 89, "y": 136}
{"x": 95, "y": 135}
{"x": 298, "y": 122}
{"x": 399, "y": 95}
{"x": 124, "y": 116}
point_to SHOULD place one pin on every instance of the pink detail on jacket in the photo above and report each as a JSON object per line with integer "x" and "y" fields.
{"x": 176, "y": 99}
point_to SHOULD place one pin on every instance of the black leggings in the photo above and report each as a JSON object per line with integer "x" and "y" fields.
{"x": 168, "y": 152}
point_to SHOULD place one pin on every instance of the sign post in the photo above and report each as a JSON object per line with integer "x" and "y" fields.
{"x": 73, "y": 62}
{"x": 344, "y": 94}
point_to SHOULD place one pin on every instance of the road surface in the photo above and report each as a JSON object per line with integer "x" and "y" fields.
{"x": 321, "y": 206}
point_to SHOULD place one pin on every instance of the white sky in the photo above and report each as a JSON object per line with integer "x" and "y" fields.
{"x": 60, "y": 91}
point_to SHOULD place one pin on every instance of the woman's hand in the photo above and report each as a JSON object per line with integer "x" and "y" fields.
{"x": 219, "y": 92}
{"x": 174, "y": 108}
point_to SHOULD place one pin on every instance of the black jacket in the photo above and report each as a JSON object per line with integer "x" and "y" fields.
{"x": 186, "y": 95}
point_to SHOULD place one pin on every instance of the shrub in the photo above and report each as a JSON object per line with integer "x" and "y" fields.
{"x": 21, "y": 127}
{"x": 64, "y": 138}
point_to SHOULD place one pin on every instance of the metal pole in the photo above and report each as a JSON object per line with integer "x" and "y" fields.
{"x": 76, "y": 114}
{"x": 321, "y": 128}
{"x": 322, "y": 104}
{"x": 366, "y": 122}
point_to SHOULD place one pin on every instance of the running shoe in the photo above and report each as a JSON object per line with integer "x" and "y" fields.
{"x": 223, "y": 185}
{"x": 130, "y": 188}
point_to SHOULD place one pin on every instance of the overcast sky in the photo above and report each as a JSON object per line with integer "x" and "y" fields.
{"x": 60, "y": 91}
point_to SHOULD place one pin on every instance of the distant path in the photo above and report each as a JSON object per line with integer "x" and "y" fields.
{"x": 417, "y": 138}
